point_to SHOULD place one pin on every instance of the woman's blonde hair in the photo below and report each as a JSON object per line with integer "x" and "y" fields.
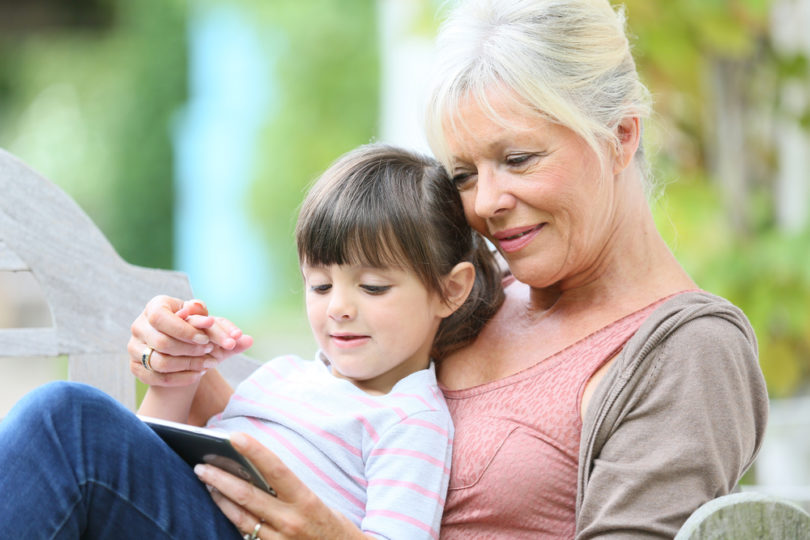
{"x": 568, "y": 61}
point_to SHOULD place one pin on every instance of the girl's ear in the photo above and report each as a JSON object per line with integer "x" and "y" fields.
{"x": 629, "y": 132}
{"x": 457, "y": 286}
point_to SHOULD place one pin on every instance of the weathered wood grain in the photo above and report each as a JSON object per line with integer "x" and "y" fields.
{"x": 93, "y": 294}
{"x": 747, "y": 516}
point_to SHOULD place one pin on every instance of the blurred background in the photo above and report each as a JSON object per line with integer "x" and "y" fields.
{"x": 189, "y": 130}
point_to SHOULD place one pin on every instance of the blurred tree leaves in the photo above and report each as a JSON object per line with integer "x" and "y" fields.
{"x": 327, "y": 75}
{"x": 766, "y": 275}
{"x": 90, "y": 109}
{"x": 763, "y": 269}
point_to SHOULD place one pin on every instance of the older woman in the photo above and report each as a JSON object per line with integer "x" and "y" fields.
{"x": 609, "y": 396}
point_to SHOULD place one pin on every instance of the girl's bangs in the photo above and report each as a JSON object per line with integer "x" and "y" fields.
{"x": 368, "y": 243}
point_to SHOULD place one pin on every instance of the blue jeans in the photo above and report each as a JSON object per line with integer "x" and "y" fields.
{"x": 74, "y": 463}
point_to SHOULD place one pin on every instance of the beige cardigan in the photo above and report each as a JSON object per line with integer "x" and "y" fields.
{"x": 678, "y": 418}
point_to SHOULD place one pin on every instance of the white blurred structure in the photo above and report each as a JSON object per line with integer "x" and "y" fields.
{"x": 783, "y": 465}
{"x": 23, "y": 305}
{"x": 790, "y": 21}
{"x": 405, "y": 58}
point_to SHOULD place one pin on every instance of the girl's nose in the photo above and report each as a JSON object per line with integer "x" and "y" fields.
{"x": 341, "y": 307}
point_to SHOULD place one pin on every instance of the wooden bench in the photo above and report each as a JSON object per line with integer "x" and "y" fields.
{"x": 94, "y": 296}
{"x": 92, "y": 293}
{"x": 747, "y": 516}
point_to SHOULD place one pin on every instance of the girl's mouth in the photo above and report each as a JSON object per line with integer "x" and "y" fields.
{"x": 349, "y": 340}
{"x": 346, "y": 337}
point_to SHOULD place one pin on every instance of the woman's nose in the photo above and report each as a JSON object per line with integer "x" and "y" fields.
{"x": 492, "y": 196}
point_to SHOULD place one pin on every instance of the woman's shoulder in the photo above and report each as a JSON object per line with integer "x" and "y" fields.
{"x": 686, "y": 389}
{"x": 696, "y": 338}
{"x": 693, "y": 313}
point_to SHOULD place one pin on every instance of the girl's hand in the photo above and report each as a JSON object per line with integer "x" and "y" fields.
{"x": 295, "y": 513}
{"x": 186, "y": 341}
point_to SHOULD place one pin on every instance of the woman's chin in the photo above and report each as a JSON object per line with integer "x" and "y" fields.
{"x": 529, "y": 272}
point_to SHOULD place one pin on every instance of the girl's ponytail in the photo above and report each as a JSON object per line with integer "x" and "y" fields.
{"x": 485, "y": 298}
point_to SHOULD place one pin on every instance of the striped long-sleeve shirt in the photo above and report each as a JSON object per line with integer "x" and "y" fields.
{"x": 383, "y": 461}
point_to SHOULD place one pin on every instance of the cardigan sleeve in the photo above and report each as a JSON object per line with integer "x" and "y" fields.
{"x": 690, "y": 423}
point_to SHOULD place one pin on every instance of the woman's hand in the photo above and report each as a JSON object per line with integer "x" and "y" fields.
{"x": 295, "y": 513}
{"x": 186, "y": 341}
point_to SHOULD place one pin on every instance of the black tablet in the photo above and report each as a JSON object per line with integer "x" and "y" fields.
{"x": 200, "y": 445}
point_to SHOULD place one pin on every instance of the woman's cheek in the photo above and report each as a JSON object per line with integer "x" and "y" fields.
{"x": 475, "y": 221}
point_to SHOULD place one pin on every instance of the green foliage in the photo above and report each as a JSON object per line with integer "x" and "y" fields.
{"x": 767, "y": 275}
{"x": 762, "y": 269}
{"x": 91, "y": 109}
{"x": 154, "y": 57}
{"x": 327, "y": 76}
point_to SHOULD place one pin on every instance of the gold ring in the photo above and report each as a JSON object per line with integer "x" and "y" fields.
{"x": 146, "y": 358}
{"x": 255, "y": 534}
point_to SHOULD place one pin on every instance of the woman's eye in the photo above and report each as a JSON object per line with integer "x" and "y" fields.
{"x": 321, "y": 289}
{"x": 518, "y": 159}
{"x": 464, "y": 180}
{"x": 375, "y": 289}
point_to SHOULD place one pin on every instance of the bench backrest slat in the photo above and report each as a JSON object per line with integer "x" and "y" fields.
{"x": 92, "y": 293}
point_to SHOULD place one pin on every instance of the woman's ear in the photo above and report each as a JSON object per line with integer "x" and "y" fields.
{"x": 457, "y": 286}
{"x": 629, "y": 134}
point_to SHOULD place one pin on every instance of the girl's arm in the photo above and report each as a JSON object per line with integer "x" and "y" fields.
{"x": 169, "y": 403}
{"x": 211, "y": 396}
{"x": 193, "y": 404}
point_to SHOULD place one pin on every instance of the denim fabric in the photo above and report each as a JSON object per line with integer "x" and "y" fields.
{"x": 74, "y": 463}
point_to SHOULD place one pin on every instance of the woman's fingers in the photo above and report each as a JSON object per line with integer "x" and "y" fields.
{"x": 236, "y": 497}
{"x": 295, "y": 513}
{"x": 183, "y": 339}
{"x": 160, "y": 328}
{"x": 166, "y": 370}
{"x": 164, "y": 319}
{"x": 242, "y": 519}
{"x": 280, "y": 478}
{"x": 165, "y": 363}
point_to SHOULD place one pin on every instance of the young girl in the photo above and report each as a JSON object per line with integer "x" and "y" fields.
{"x": 394, "y": 278}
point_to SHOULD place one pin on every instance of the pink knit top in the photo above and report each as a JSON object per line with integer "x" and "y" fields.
{"x": 514, "y": 471}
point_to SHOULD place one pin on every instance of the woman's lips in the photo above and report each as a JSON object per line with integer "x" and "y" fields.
{"x": 512, "y": 240}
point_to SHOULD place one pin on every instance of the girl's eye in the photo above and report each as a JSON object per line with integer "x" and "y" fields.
{"x": 375, "y": 289}
{"x": 321, "y": 289}
{"x": 464, "y": 180}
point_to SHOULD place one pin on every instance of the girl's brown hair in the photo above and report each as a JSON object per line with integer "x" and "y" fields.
{"x": 383, "y": 206}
